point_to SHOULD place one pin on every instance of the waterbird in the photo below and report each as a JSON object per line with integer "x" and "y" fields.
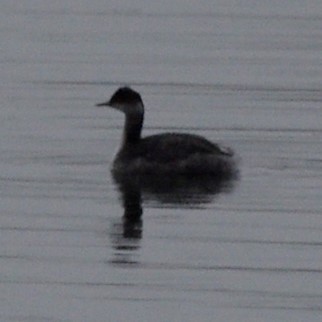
{"x": 165, "y": 153}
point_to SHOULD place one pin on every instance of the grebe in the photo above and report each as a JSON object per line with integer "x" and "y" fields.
{"x": 175, "y": 153}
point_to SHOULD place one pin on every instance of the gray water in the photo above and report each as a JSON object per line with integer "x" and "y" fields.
{"x": 245, "y": 74}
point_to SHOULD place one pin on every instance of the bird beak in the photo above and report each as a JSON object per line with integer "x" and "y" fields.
{"x": 103, "y": 104}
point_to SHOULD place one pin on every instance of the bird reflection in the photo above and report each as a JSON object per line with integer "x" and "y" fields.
{"x": 132, "y": 204}
{"x": 174, "y": 190}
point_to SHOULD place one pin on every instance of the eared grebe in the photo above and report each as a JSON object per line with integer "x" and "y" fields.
{"x": 175, "y": 153}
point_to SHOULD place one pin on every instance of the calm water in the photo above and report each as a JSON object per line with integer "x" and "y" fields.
{"x": 76, "y": 246}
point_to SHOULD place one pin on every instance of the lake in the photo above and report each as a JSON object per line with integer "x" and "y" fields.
{"x": 76, "y": 245}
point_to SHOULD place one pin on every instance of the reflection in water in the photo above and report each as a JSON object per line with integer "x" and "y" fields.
{"x": 186, "y": 191}
{"x": 172, "y": 190}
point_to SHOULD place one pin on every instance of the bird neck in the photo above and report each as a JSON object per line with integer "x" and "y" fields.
{"x": 133, "y": 128}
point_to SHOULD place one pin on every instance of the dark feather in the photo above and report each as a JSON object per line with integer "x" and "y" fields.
{"x": 169, "y": 147}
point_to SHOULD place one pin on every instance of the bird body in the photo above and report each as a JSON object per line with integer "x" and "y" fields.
{"x": 175, "y": 153}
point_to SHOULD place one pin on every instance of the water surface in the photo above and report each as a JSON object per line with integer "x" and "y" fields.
{"x": 76, "y": 246}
